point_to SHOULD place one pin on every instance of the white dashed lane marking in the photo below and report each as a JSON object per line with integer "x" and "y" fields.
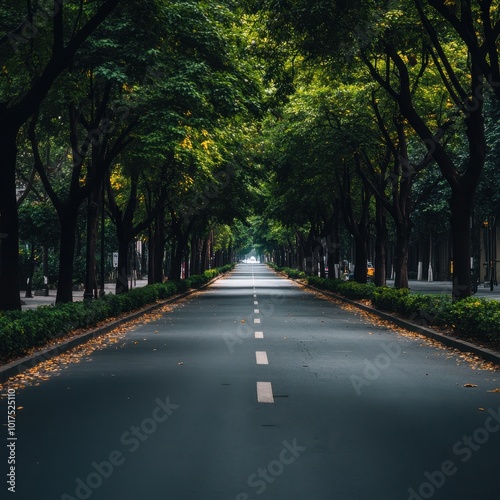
{"x": 265, "y": 392}
{"x": 261, "y": 357}
{"x": 264, "y": 389}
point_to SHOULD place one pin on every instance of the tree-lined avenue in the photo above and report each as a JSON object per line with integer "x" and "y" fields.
{"x": 357, "y": 410}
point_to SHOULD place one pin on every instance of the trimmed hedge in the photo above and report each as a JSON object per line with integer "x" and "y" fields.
{"x": 21, "y": 331}
{"x": 290, "y": 272}
{"x": 477, "y": 318}
{"x": 350, "y": 289}
{"x": 471, "y": 318}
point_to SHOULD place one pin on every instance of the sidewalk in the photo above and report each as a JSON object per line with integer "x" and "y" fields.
{"x": 38, "y": 301}
{"x": 445, "y": 287}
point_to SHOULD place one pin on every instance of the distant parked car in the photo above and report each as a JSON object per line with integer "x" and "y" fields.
{"x": 370, "y": 273}
{"x": 370, "y": 270}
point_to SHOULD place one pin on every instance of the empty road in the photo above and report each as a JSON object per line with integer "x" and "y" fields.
{"x": 254, "y": 389}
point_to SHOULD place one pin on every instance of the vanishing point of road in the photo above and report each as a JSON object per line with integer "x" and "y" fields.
{"x": 256, "y": 388}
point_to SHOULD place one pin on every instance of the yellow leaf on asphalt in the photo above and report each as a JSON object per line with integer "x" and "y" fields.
{"x": 495, "y": 390}
{"x": 470, "y": 385}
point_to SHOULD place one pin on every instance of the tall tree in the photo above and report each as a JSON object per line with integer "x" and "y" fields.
{"x": 63, "y": 29}
{"x": 405, "y": 46}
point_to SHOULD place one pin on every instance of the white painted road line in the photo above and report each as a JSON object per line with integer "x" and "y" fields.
{"x": 256, "y": 311}
{"x": 255, "y": 303}
{"x": 256, "y": 320}
{"x": 265, "y": 392}
{"x": 259, "y": 335}
{"x": 261, "y": 357}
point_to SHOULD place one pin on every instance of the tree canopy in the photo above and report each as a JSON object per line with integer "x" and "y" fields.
{"x": 323, "y": 134}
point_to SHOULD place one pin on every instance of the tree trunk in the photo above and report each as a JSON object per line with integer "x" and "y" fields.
{"x": 92, "y": 235}
{"x": 29, "y": 286}
{"x": 360, "y": 259}
{"x": 159, "y": 246}
{"x": 45, "y": 264}
{"x": 123, "y": 254}
{"x": 461, "y": 211}
{"x": 175, "y": 271}
{"x": 10, "y": 298}
{"x": 67, "y": 220}
{"x": 320, "y": 252}
{"x": 195, "y": 267}
{"x": 401, "y": 256}
{"x": 301, "y": 252}
{"x": 151, "y": 256}
{"x": 204, "y": 256}
{"x": 333, "y": 244}
{"x": 380, "y": 244}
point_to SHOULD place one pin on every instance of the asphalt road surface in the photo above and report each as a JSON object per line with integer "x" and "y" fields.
{"x": 256, "y": 389}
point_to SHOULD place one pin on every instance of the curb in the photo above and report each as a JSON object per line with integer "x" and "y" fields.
{"x": 461, "y": 345}
{"x": 20, "y": 365}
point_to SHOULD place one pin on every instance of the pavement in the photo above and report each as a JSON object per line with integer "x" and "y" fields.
{"x": 256, "y": 389}
{"x": 415, "y": 286}
{"x": 37, "y": 300}
{"x": 446, "y": 286}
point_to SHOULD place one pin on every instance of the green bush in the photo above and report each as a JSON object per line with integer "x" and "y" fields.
{"x": 356, "y": 291}
{"x": 389, "y": 299}
{"x": 23, "y": 330}
{"x": 349, "y": 289}
{"x": 476, "y": 318}
{"x": 295, "y": 273}
{"x": 290, "y": 272}
{"x": 432, "y": 309}
{"x": 196, "y": 281}
{"x": 472, "y": 318}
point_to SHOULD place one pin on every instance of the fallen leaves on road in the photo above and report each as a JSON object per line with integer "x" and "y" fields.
{"x": 53, "y": 366}
{"x": 475, "y": 362}
{"x": 470, "y": 385}
{"x": 495, "y": 390}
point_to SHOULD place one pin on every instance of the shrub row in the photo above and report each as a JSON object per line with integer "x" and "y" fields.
{"x": 290, "y": 272}
{"x": 349, "y": 289}
{"x": 21, "y": 331}
{"x": 472, "y": 318}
